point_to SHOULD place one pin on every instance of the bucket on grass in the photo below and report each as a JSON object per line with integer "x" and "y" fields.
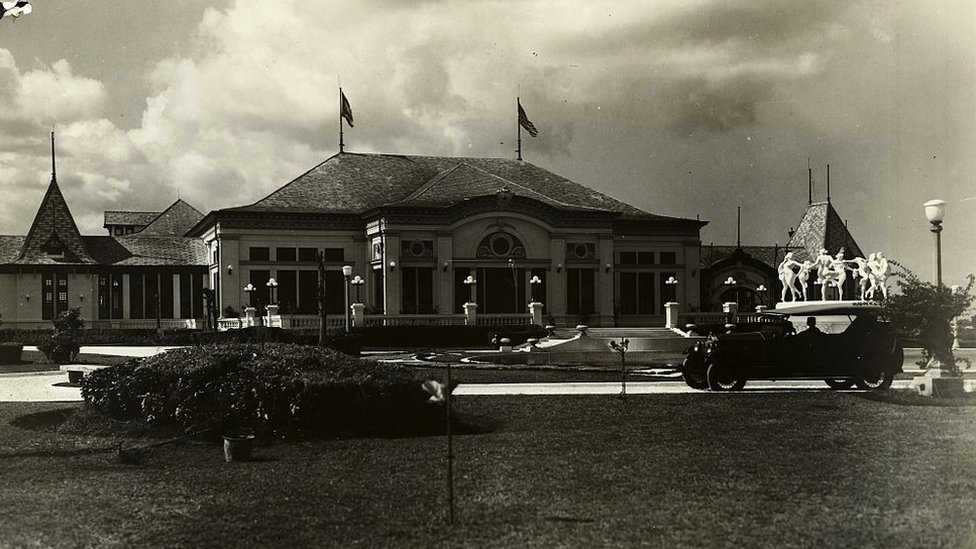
{"x": 238, "y": 447}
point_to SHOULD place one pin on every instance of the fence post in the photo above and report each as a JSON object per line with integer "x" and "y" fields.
{"x": 470, "y": 313}
{"x": 671, "y": 314}
{"x": 535, "y": 310}
{"x": 358, "y": 315}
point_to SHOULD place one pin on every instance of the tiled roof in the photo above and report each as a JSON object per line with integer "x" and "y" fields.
{"x": 53, "y": 225}
{"x": 129, "y": 218}
{"x": 139, "y": 250}
{"x": 176, "y": 220}
{"x": 463, "y": 181}
{"x": 711, "y": 255}
{"x": 10, "y": 247}
{"x": 822, "y": 227}
{"x": 356, "y": 183}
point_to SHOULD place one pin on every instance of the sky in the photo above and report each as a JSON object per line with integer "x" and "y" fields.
{"x": 679, "y": 107}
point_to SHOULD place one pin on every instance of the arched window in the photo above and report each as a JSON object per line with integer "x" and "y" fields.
{"x": 501, "y": 245}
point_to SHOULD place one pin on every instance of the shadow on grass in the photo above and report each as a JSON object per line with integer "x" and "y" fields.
{"x": 83, "y": 421}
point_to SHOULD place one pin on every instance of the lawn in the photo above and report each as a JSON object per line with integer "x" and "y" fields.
{"x": 752, "y": 470}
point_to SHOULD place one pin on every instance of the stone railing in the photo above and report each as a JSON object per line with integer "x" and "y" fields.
{"x": 414, "y": 320}
{"x": 504, "y": 319}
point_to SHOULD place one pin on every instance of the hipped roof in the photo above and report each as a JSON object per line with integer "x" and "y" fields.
{"x": 355, "y": 183}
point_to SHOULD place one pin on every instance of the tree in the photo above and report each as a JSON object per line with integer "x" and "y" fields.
{"x": 63, "y": 345}
{"x": 320, "y": 295}
{"x": 924, "y": 312}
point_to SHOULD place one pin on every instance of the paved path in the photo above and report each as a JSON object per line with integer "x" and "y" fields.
{"x": 37, "y": 387}
{"x": 119, "y": 350}
{"x": 653, "y": 388}
{"x": 48, "y": 387}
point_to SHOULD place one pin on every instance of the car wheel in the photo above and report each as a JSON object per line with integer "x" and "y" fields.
{"x": 694, "y": 374}
{"x": 879, "y": 380}
{"x": 842, "y": 383}
{"x": 722, "y": 377}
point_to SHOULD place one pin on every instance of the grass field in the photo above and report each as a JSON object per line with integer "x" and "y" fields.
{"x": 697, "y": 470}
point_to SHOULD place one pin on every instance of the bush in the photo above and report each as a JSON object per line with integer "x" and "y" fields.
{"x": 283, "y": 390}
{"x": 924, "y": 312}
{"x": 63, "y": 345}
{"x": 10, "y": 353}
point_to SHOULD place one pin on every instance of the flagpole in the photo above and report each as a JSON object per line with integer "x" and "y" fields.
{"x": 518, "y": 103}
{"x": 341, "y": 144}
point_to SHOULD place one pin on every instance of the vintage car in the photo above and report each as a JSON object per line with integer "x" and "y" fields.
{"x": 864, "y": 351}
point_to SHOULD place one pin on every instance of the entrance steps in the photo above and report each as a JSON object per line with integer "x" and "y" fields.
{"x": 617, "y": 333}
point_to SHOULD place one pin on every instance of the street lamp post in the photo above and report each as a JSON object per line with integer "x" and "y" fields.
{"x": 272, "y": 286}
{"x": 621, "y": 349}
{"x": 672, "y": 283}
{"x": 471, "y": 283}
{"x": 935, "y": 212}
{"x": 346, "y": 273}
{"x": 357, "y": 281}
{"x": 249, "y": 290}
{"x": 534, "y": 282}
{"x": 730, "y": 282}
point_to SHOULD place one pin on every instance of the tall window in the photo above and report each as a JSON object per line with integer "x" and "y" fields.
{"x": 287, "y": 290}
{"x": 636, "y": 291}
{"x": 261, "y": 295}
{"x": 308, "y": 287}
{"x": 136, "y": 303}
{"x": 47, "y": 298}
{"x": 417, "y": 290}
{"x": 580, "y": 291}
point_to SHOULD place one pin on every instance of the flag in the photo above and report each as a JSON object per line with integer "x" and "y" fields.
{"x": 525, "y": 122}
{"x": 346, "y": 110}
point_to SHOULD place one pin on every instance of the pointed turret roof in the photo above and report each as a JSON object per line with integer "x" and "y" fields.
{"x": 822, "y": 227}
{"x": 53, "y": 237}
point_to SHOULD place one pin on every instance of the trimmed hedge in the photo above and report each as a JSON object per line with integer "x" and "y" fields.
{"x": 281, "y": 390}
{"x": 10, "y": 353}
{"x": 372, "y": 336}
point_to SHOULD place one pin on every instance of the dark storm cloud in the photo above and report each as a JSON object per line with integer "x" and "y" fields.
{"x": 701, "y": 105}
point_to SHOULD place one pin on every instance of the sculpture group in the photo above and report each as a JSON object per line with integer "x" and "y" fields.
{"x": 871, "y": 275}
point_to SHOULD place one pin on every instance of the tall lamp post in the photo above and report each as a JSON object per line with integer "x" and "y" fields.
{"x": 935, "y": 212}
{"x": 346, "y": 273}
{"x": 471, "y": 282}
{"x": 534, "y": 283}
{"x": 272, "y": 286}
{"x": 357, "y": 281}
{"x": 672, "y": 284}
{"x": 761, "y": 290}
{"x": 249, "y": 290}
{"x": 730, "y": 282}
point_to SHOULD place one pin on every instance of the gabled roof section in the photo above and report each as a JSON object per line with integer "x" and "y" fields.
{"x": 138, "y": 251}
{"x": 822, "y": 227}
{"x": 357, "y": 183}
{"x": 176, "y": 220}
{"x": 114, "y": 217}
{"x": 53, "y": 237}
{"x": 464, "y": 181}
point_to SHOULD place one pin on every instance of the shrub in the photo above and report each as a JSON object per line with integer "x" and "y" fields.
{"x": 63, "y": 345}
{"x": 10, "y": 353}
{"x": 923, "y": 312}
{"x": 281, "y": 389}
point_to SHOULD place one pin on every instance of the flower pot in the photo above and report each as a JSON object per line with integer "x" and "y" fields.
{"x": 238, "y": 447}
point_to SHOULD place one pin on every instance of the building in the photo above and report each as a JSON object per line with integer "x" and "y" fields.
{"x": 415, "y": 228}
{"x": 132, "y": 278}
